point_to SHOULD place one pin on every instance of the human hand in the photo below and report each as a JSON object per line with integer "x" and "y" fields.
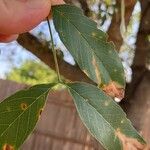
{"x": 19, "y": 16}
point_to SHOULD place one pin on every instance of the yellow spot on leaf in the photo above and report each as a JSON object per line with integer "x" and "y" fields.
{"x": 115, "y": 70}
{"x": 122, "y": 121}
{"x": 106, "y": 103}
{"x": 130, "y": 143}
{"x": 97, "y": 72}
{"x": 24, "y": 106}
{"x": 113, "y": 90}
{"x": 109, "y": 51}
{"x": 8, "y": 147}
{"x": 93, "y": 34}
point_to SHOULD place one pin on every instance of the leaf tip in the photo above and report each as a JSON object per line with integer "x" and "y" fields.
{"x": 129, "y": 143}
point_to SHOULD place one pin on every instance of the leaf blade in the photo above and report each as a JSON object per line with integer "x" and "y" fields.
{"x": 88, "y": 45}
{"x": 20, "y": 113}
{"x": 102, "y": 116}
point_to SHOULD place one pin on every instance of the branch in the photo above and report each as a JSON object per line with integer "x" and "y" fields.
{"x": 114, "y": 30}
{"x": 142, "y": 44}
{"x": 42, "y": 51}
{"x": 85, "y": 7}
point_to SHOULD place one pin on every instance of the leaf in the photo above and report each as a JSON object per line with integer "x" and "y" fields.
{"x": 19, "y": 114}
{"x": 89, "y": 46}
{"x": 103, "y": 117}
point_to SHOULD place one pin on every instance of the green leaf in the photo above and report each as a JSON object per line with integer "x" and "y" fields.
{"x": 88, "y": 45}
{"x": 19, "y": 114}
{"x": 103, "y": 117}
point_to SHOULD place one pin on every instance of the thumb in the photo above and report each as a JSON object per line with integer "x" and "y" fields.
{"x": 18, "y": 16}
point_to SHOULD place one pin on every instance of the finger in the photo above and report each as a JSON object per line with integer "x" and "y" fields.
{"x": 57, "y": 2}
{"x": 8, "y": 38}
{"x": 18, "y": 16}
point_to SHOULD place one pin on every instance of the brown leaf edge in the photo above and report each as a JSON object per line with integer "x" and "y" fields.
{"x": 114, "y": 90}
{"x": 131, "y": 143}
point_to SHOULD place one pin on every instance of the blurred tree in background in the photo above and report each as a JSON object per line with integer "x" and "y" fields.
{"x": 32, "y": 72}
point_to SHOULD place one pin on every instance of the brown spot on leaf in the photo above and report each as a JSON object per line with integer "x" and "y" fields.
{"x": 129, "y": 143}
{"x": 97, "y": 72}
{"x": 24, "y": 106}
{"x": 40, "y": 112}
{"x": 62, "y": 14}
{"x": 8, "y": 147}
{"x": 113, "y": 90}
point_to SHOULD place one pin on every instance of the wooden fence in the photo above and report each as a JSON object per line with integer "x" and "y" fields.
{"x": 60, "y": 127}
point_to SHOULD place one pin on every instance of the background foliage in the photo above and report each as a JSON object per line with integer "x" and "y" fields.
{"x": 32, "y": 72}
